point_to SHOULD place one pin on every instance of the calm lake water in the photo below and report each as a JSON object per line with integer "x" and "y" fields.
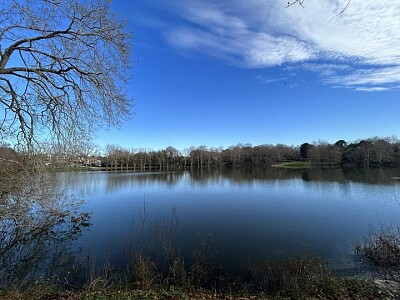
{"x": 273, "y": 213}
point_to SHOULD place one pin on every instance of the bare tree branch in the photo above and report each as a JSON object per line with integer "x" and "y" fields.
{"x": 63, "y": 69}
{"x": 301, "y": 3}
{"x": 347, "y": 5}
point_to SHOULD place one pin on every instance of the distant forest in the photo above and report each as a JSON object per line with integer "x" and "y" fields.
{"x": 362, "y": 153}
{"x": 372, "y": 152}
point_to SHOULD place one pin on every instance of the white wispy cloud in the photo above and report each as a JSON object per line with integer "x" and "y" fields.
{"x": 371, "y": 76}
{"x": 359, "y": 47}
{"x": 325, "y": 69}
{"x": 371, "y": 89}
{"x": 268, "y": 80}
{"x": 266, "y": 50}
{"x": 203, "y": 41}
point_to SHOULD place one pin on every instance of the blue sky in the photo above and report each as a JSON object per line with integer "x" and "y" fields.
{"x": 218, "y": 73}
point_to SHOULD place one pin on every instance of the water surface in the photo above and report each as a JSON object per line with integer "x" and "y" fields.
{"x": 271, "y": 212}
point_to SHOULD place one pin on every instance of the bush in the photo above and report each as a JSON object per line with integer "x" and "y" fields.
{"x": 382, "y": 249}
{"x": 299, "y": 277}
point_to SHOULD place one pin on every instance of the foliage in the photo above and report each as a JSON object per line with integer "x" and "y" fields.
{"x": 304, "y": 150}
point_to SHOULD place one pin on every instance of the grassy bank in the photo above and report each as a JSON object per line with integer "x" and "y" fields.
{"x": 303, "y": 165}
{"x": 295, "y": 165}
{"x": 301, "y": 277}
{"x": 354, "y": 290}
{"x": 350, "y": 289}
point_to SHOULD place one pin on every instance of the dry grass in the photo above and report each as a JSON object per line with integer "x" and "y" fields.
{"x": 381, "y": 249}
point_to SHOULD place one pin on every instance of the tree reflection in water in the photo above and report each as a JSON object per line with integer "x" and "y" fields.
{"x": 37, "y": 226}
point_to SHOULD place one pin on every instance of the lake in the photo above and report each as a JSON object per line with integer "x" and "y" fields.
{"x": 270, "y": 212}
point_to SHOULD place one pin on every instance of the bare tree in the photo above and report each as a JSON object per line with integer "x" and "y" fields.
{"x": 63, "y": 69}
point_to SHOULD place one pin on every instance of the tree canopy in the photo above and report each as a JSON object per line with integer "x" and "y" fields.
{"x": 63, "y": 70}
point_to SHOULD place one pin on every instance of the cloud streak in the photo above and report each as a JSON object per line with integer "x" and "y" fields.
{"x": 268, "y": 80}
{"x": 355, "y": 49}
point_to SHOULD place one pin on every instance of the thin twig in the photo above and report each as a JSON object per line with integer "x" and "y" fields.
{"x": 300, "y": 2}
{"x": 347, "y": 5}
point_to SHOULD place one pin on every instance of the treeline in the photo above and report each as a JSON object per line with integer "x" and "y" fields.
{"x": 202, "y": 156}
{"x": 362, "y": 153}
